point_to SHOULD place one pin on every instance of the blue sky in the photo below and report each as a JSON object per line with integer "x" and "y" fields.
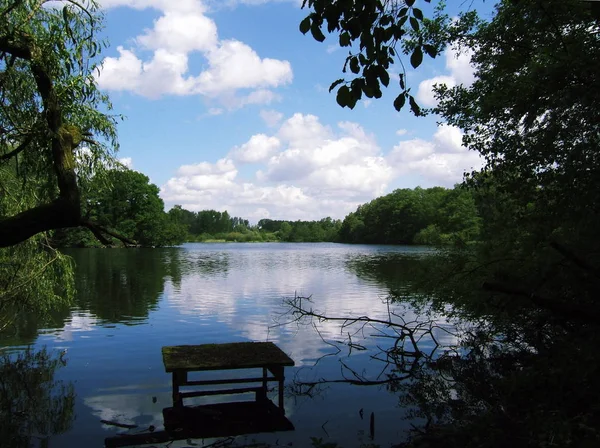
{"x": 227, "y": 107}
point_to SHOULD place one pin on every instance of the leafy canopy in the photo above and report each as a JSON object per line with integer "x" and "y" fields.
{"x": 54, "y": 123}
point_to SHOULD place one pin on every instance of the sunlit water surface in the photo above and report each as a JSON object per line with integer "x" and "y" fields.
{"x": 130, "y": 303}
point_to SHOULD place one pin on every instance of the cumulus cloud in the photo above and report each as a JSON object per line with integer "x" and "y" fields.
{"x": 183, "y": 31}
{"x": 461, "y": 72}
{"x": 308, "y": 171}
{"x": 441, "y": 160}
{"x": 257, "y": 149}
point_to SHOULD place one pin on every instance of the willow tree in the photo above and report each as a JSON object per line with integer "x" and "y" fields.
{"x": 55, "y": 125}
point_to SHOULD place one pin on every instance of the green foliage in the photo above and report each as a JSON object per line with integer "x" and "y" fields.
{"x": 65, "y": 44}
{"x": 34, "y": 278}
{"x": 126, "y": 202}
{"x": 423, "y": 216}
{"x": 373, "y": 29}
{"x": 527, "y": 375}
{"x": 326, "y": 229}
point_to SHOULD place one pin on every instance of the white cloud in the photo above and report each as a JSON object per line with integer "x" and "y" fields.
{"x": 441, "y": 160}
{"x": 127, "y": 161}
{"x": 121, "y": 73}
{"x": 234, "y": 65}
{"x": 182, "y": 31}
{"x": 309, "y": 171}
{"x": 426, "y": 95}
{"x": 402, "y": 132}
{"x": 258, "y": 149}
{"x": 271, "y": 117}
{"x": 461, "y": 72}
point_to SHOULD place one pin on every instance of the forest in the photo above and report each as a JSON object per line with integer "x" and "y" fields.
{"x": 519, "y": 256}
{"x": 126, "y": 202}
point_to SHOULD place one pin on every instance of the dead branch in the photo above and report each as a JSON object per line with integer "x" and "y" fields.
{"x": 401, "y": 361}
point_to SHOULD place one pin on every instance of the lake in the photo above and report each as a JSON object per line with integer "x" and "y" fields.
{"x": 131, "y": 302}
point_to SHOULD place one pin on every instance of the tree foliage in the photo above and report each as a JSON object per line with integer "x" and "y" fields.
{"x": 372, "y": 30}
{"x": 50, "y": 109}
{"x": 34, "y": 277}
{"x": 325, "y": 229}
{"x": 407, "y": 216}
{"x": 125, "y": 201}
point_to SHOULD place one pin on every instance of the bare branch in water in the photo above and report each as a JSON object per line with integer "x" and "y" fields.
{"x": 413, "y": 344}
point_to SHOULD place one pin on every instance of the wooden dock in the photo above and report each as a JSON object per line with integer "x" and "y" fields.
{"x": 180, "y": 360}
{"x": 219, "y": 419}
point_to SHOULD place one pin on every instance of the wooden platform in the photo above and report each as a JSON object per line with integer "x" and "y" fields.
{"x": 219, "y": 419}
{"x": 238, "y": 355}
{"x": 183, "y": 359}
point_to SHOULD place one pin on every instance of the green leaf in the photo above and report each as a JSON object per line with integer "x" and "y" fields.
{"x": 343, "y": 97}
{"x": 414, "y": 23}
{"x": 354, "y": 67}
{"x": 430, "y": 50}
{"x": 384, "y": 76}
{"x": 353, "y": 99}
{"x": 316, "y": 32}
{"x": 344, "y": 39}
{"x": 418, "y": 13}
{"x": 399, "y": 102}
{"x": 305, "y": 25}
{"x": 414, "y": 107}
{"x": 402, "y": 83}
{"x": 403, "y": 12}
{"x": 409, "y": 3}
{"x": 417, "y": 57}
{"x": 335, "y": 84}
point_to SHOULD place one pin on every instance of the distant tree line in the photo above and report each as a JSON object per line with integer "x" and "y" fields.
{"x": 124, "y": 201}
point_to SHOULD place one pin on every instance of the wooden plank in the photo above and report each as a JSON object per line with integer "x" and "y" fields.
{"x": 231, "y": 381}
{"x": 202, "y": 393}
{"x": 239, "y": 355}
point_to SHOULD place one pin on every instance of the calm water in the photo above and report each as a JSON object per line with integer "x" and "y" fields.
{"x": 132, "y": 302}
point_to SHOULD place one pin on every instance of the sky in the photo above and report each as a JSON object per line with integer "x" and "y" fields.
{"x": 227, "y": 107}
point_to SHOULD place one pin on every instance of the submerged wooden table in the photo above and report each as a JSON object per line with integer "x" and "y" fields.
{"x": 182, "y": 359}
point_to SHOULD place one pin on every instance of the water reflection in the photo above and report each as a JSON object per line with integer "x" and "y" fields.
{"x": 132, "y": 302}
{"x": 34, "y": 406}
{"x": 123, "y": 286}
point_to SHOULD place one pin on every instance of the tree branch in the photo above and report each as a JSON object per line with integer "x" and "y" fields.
{"x": 97, "y": 230}
{"x": 55, "y": 215}
{"x": 18, "y": 149}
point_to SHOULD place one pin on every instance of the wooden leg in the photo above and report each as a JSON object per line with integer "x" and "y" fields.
{"x": 278, "y": 372}
{"x": 176, "y": 399}
{"x": 281, "y": 393}
{"x": 263, "y": 393}
{"x": 179, "y": 378}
